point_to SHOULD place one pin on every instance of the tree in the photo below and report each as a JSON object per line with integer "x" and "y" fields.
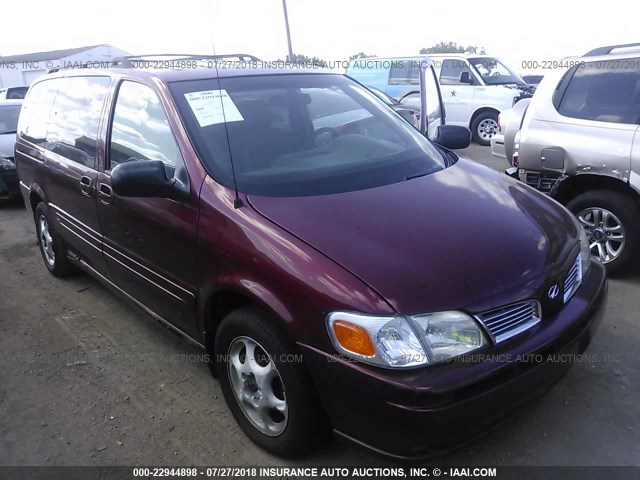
{"x": 451, "y": 47}
{"x": 360, "y": 55}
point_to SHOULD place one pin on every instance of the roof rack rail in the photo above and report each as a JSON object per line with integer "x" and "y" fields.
{"x": 129, "y": 60}
{"x": 609, "y": 49}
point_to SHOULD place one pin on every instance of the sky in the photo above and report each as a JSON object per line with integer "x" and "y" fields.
{"x": 329, "y": 29}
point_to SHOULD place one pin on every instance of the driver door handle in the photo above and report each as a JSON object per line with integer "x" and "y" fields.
{"x": 105, "y": 193}
{"x": 85, "y": 185}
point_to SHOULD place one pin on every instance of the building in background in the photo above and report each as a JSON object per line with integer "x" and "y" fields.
{"x": 19, "y": 70}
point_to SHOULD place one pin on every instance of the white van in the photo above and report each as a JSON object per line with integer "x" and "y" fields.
{"x": 475, "y": 88}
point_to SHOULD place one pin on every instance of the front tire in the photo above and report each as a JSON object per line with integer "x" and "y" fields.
{"x": 484, "y": 127}
{"x": 52, "y": 247}
{"x": 266, "y": 386}
{"x": 610, "y": 220}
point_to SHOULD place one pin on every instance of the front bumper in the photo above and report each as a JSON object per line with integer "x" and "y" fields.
{"x": 9, "y": 184}
{"x": 424, "y": 412}
{"x": 497, "y": 145}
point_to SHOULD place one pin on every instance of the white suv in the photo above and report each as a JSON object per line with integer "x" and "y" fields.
{"x": 475, "y": 89}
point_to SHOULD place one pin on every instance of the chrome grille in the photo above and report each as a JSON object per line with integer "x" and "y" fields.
{"x": 505, "y": 322}
{"x": 573, "y": 279}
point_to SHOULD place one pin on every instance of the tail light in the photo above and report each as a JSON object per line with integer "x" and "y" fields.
{"x": 515, "y": 159}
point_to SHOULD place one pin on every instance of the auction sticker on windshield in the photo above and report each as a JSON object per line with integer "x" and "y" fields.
{"x": 213, "y": 106}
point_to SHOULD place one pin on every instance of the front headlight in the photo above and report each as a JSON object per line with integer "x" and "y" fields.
{"x": 449, "y": 334}
{"x": 401, "y": 341}
{"x": 585, "y": 251}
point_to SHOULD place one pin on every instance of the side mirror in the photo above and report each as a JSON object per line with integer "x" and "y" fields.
{"x": 409, "y": 116}
{"x": 453, "y": 137}
{"x": 146, "y": 178}
{"x": 465, "y": 77}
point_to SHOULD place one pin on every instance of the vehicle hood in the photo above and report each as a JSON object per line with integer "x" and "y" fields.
{"x": 6, "y": 164}
{"x": 451, "y": 239}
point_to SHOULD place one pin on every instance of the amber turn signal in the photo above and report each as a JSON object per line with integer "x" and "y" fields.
{"x": 353, "y": 338}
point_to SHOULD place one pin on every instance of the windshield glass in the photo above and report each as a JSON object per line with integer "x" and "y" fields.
{"x": 494, "y": 72}
{"x": 9, "y": 119}
{"x": 382, "y": 96}
{"x": 300, "y": 134}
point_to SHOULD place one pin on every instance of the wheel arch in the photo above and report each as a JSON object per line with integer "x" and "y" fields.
{"x": 36, "y": 195}
{"x": 574, "y": 185}
{"x": 479, "y": 111}
{"x": 218, "y": 303}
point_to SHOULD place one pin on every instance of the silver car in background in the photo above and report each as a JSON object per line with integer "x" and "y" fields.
{"x": 580, "y": 143}
{"x": 509, "y": 122}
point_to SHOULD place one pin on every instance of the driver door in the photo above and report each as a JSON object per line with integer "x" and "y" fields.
{"x": 458, "y": 97}
{"x": 149, "y": 243}
{"x": 434, "y": 113}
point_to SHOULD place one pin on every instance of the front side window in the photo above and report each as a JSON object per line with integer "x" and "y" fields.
{"x": 494, "y": 72}
{"x": 604, "y": 91}
{"x": 9, "y": 119}
{"x": 451, "y": 72}
{"x": 300, "y": 134}
{"x": 75, "y": 118}
{"x": 141, "y": 130}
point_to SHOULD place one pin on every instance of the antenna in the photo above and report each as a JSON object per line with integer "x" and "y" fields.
{"x": 237, "y": 202}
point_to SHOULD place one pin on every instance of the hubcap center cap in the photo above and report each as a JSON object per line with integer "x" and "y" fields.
{"x": 599, "y": 235}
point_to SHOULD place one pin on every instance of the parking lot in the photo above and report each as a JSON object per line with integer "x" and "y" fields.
{"x": 85, "y": 379}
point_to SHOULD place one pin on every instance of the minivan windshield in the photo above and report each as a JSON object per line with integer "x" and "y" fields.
{"x": 494, "y": 72}
{"x": 300, "y": 134}
{"x": 9, "y": 119}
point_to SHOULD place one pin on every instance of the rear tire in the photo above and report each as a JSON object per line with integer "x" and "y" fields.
{"x": 484, "y": 127}
{"x": 280, "y": 410}
{"x": 54, "y": 251}
{"x": 612, "y": 222}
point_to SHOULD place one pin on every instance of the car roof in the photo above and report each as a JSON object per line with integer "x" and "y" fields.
{"x": 406, "y": 57}
{"x": 462, "y": 55}
{"x": 10, "y": 102}
{"x": 177, "y": 75}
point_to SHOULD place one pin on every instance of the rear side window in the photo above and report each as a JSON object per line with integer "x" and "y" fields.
{"x": 141, "y": 130}
{"x": 604, "y": 91}
{"x": 34, "y": 117}
{"x": 404, "y": 72}
{"x": 451, "y": 70}
{"x": 74, "y": 121}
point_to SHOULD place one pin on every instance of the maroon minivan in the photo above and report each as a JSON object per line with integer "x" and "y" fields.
{"x": 342, "y": 271}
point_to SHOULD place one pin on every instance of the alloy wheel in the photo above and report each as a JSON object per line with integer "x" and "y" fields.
{"x": 46, "y": 241}
{"x": 605, "y": 232}
{"x": 257, "y": 386}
